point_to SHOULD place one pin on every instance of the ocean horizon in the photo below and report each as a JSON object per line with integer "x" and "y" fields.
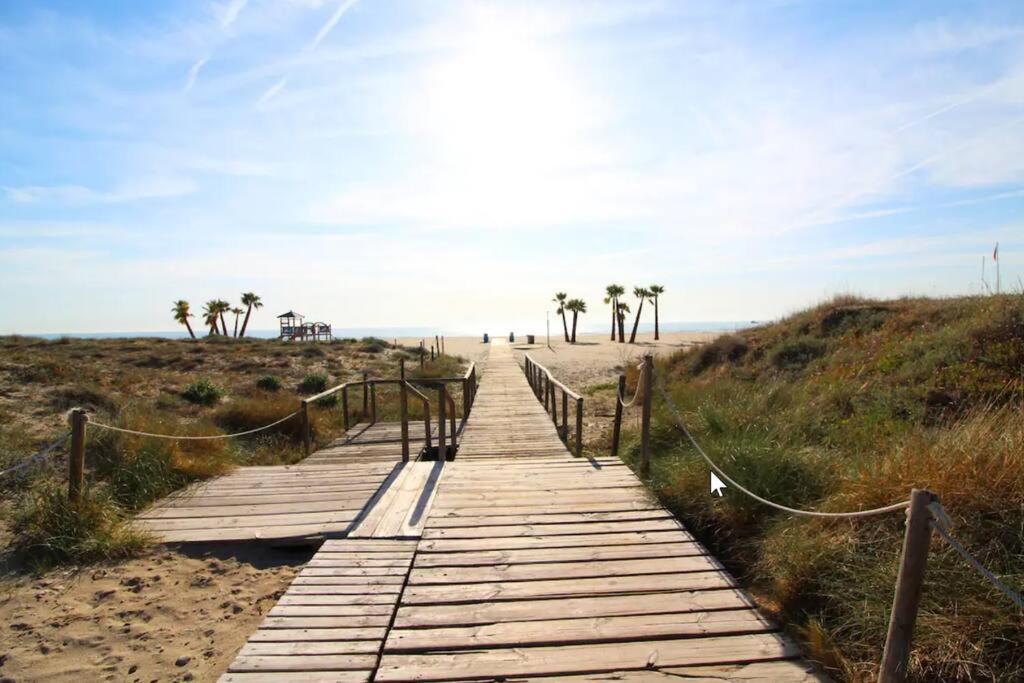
{"x": 410, "y": 331}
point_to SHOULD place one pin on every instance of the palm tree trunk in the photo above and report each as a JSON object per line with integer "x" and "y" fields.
{"x": 574, "y": 316}
{"x": 615, "y": 313}
{"x": 657, "y": 335}
{"x": 223, "y": 325}
{"x": 636, "y": 322}
{"x": 236, "y": 325}
{"x": 213, "y": 328}
{"x": 245, "y": 323}
{"x": 565, "y": 326}
{"x": 622, "y": 328}
{"x": 189, "y": 328}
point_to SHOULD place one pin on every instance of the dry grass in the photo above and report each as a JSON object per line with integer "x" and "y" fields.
{"x": 847, "y": 406}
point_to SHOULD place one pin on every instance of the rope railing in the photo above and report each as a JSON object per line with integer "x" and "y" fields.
{"x": 636, "y": 394}
{"x": 41, "y": 455}
{"x": 191, "y": 437}
{"x": 923, "y": 511}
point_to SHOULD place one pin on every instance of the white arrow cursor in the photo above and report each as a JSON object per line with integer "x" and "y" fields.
{"x": 716, "y": 484}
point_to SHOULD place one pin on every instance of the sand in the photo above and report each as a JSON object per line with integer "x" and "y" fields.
{"x": 591, "y": 360}
{"x": 166, "y": 616}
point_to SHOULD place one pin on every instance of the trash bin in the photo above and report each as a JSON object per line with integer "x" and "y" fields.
{"x": 530, "y": 339}
{"x": 487, "y": 339}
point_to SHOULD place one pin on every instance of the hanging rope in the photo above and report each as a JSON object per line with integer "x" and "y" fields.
{"x": 639, "y": 384}
{"x": 174, "y": 437}
{"x": 725, "y": 477}
{"x": 940, "y": 522}
{"x": 41, "y": 455}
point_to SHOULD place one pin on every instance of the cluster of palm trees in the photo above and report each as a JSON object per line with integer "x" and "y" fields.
{"x": 620, "y": 309}
{"x": 213, "y": 314}
{"x": 577, "y": 306}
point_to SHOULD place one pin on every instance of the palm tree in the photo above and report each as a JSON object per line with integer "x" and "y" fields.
{"x": 237, "y": 312}
{"x": 577, "y": 306}
{"x": 182, "y": 314}
{"x": 623, "y": 309}
{"x": 656, "y": 291}
{"x": 560, "y": 300}
{"x": 222, "y": 308}
{"x": 613, "y": 293}
{"x": 250, "y": 301}
{"x": 210, "y": 311}
{"x": 642, "y": 294}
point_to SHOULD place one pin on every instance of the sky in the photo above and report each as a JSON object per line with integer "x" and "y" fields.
{"x": 452, "y": 164}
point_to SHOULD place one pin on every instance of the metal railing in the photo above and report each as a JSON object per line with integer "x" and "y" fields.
{"x": 545, "y": 387}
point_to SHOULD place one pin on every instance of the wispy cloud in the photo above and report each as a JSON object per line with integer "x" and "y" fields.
{"x": 343, "y": 7}
{"x": 193, "y": 73}
{"x": 271, "y": 92}
{"x": 231, "y": 11}
{"x": 132, "y": 191}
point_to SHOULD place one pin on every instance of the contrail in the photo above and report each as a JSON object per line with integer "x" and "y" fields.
{"x": 345, "y": 6}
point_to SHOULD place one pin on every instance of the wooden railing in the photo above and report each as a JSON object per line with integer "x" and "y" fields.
{"x": 546, "y": 388}
{"x": 446, "y": 405}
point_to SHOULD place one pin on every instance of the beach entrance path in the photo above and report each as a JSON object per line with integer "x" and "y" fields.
{"x": 515, "y": 561}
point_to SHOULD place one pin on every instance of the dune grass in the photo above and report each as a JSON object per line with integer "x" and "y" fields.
{"x": 160, "y": 387}
{"x": 844, "y": 407}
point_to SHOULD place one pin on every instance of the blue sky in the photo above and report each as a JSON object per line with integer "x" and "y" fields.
{"x": 453, "y": 164}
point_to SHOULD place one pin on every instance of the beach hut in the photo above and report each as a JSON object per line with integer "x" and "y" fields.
{"x": 292, "y": 327}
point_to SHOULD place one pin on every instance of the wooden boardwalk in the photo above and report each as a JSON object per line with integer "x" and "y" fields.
{"x": 517, "y": 562}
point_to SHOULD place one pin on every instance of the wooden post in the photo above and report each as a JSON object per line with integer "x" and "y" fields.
{"x": 344, "y": 406}
{"x": 565, "y": 416}
{"x": 76, "y": 461}
{"x": 442, "y": 442}
{"x": 373, "y": 403}
{"x": 554, "y": 406}
{"x": 465, "y": 398}
{"x": 437, "y": 343}
{"x": 403, "y": 409}
{"x": 645, "y": 417}
{"x": 442, "y": 345}
{"x": 617, "y": 425}
{"x": 913, "y": 561}
{"x": 307, "y": 437}
{"x": 431, "y": 352}
{"x": 366, "y": 397}
{"x": 579, "y": 426}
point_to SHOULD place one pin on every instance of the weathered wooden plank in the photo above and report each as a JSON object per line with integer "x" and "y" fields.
{"x": 581, "y": 659}
{"x": 560, "y": 570}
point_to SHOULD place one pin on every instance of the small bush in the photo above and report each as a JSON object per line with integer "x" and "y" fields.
{"x": 51, "y": 530}
{"x": 89, "y": 396}
{"x": 241, "y": 415}
{"x": 314, "y": 383}
{"x": 373, "y": 345}
{"x": 268, "y": 383}
{"x": 725, "y": 349}
{"x": 797, "y": 353}
{"x": 203, "y": 392}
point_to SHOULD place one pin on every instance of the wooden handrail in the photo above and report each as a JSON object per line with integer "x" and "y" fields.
{"x": 552, "y": 378}
{"x": 426, "y": 413}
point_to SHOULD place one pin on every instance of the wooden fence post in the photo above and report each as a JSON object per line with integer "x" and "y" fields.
{"x": 907, "y": 598}
{"x": 565, "y": 416}
{"x": 373, "y": 403}
{"x": 76, "y": 461}
{"x": 366, "y": 397}
{"x": 307, "y": 437}
{"x": 442, "y": 442}
{"x": 554, "y": 406}
{"x": 344, "y": 406}
{"x": 422, "y": 354}
{"x": 617, "y": 425}
{"x": 437, "y": 342}
{"x": 403, "y": 409}
{"x": 645, "y": 417}
{"x": 465, "y": 398}
{"x": 579, "y": 426}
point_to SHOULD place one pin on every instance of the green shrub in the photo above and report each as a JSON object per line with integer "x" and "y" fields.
{"x": 314, "y": 383}
{"x": 268, "y": 383}
{"x": 795, "y": 354}
{"x": 50, "y": 530}
{"x": 243, "y": 414}
{"x": 203, "y": 392}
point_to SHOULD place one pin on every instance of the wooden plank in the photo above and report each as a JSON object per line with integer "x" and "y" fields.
{"x": 582, "y": 659}
{"x": 563, "y": 570}
{"x": 510, "y": 543}
{"x": 592, "y": 630}
{"x": 543, "y": 555}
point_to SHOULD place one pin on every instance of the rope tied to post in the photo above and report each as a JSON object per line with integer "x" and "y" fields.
{"x": 41, "y": 455}
{"x": 174, "y": 437}
{"x": 639, "y": 385}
